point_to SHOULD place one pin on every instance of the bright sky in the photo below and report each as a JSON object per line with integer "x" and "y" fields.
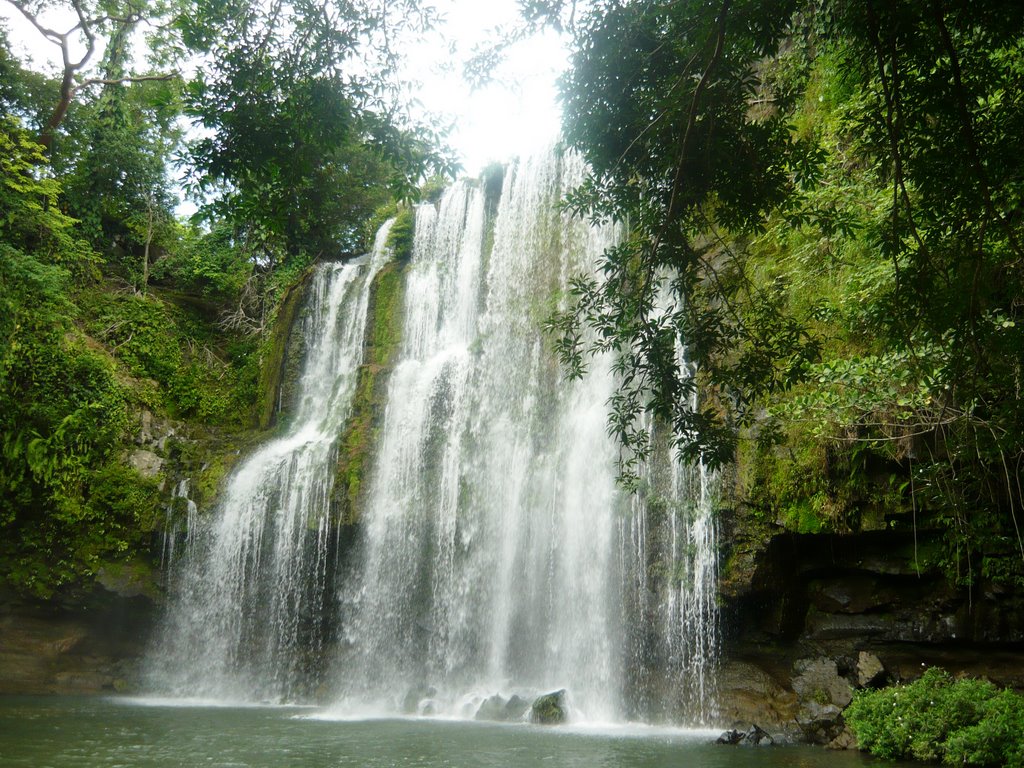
{"x": 513, "y": 115}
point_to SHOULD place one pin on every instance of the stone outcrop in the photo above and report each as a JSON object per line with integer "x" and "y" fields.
{"x": 90, "y": 644}
{"x": 870, "y": 670}
{"x": 823, "y": 695}
{"x": 809, "y": 618}
{"x": 749, "y": 694}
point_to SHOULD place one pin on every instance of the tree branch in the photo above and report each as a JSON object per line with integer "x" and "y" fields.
{"x": 122, "y": 80}
{"x": 86, "y": 28}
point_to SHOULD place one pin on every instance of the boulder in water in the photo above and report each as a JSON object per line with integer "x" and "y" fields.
{"x": 549, "y": 709}
{"x": 755, "y": 736}
{"x": 492, "y": 708}
{"x": 413, "y": 698}
{"x": 428, "y": 708}
{"x": 516, "y": 708}
{"x": 501, "y": 710}
{"x": 731, "y": 737}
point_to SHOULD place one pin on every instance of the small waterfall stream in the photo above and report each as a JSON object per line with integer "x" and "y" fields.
{"x": 495, "y": 555}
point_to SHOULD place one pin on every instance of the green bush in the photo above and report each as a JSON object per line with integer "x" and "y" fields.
{"x": 402, "y": 234}
{"x": 996, "y": 739}
{"x": 963, "y": 722}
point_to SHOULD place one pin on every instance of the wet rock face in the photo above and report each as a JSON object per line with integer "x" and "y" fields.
{"x": 808, "y": 618}
{"x": 92, "y": 646}
{"x": 847, "y": 592}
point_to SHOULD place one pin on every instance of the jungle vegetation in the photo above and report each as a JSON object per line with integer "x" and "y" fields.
{"x": 824, "y": 207}
{"x": 283, "y": 122}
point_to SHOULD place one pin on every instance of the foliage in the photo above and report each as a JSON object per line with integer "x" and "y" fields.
{"x": 657, "y": 102}
{"x": 68, "y": 499}
{"x": 62, "y": 416}
{"x": 88, "y": 26}
{"x": 118, "y": 187}
{"x": 824, "y": 240}
{"x": 402, "y": 234}
{"x": 206, "y": 262}
{"x": 22, "y": 91}
{"x": 32, "y": 220}
{"x": 962, "y": 722}
{"x": 154, "y": 339}
{"x": 297, "y": 144}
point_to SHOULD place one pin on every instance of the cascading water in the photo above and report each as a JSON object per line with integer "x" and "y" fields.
{"x": 496, "y": 555}
{"x": 247, "y": 605}
{"x": 670, "y": 571}
{"x": 489, "y": 549}
{"x": 670, "y": 568}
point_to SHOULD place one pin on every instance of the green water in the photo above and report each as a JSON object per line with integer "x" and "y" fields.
{"x": 110, "y": 733}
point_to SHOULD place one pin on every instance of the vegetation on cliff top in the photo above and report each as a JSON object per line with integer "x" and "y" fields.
{"x": 824, "y": 202}
{"x": 114, "y": 310}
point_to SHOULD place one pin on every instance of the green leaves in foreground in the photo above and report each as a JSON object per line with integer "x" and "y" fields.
{"x": 962, "y": 722}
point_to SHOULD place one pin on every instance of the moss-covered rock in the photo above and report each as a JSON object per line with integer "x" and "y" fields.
{"x": 383, "y": 337}
{"x": 402, "y": 235}
{"x": 134, "y": 578}
{"x": 549, "y": 709}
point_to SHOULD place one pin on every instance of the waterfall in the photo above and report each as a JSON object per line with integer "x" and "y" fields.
{"x": 247, "y": 606}
{"x": 495, "y": 555}
{"x": 488, "y": 562}
{"x": 670, "y": 572}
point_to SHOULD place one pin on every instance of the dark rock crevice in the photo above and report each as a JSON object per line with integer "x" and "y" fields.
{"x": 808, "y": 618}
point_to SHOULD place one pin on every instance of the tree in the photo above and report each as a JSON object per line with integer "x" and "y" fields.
{"x": 300, "y": 120}
{"x": 91, "y": 23}
{"x": 117, "y": 185}
{"x": 658, "y": 102}
{"x": 302, "y": 135}
{"x": 868, "y": 150}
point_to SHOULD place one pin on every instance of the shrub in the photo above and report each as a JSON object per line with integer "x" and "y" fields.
{"x": 963, "y": 722}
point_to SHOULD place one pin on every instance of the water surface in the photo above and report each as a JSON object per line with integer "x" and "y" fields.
{"x": 61, "y": 732}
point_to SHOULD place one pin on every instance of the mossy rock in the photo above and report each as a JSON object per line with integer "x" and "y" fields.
{"x": 549, "y": 709}
{"x": 273, "y": 371}
{"x": 402, "y": 235}
{"x": 133, "y": 578}
{"x": 383, "y": 336}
